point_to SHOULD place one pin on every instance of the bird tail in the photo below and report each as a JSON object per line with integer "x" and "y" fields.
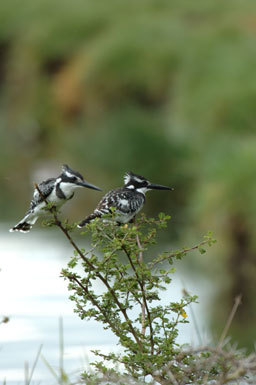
{"x": 88, "y": 219}
{"x": 24, "y": 225}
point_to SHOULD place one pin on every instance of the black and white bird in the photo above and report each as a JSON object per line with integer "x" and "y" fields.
{"x": 127, "y": 201}
{"x": 55, "y": 190}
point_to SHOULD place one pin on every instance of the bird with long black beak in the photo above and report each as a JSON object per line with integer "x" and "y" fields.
{"x": 56, "y": 191}
{"x": 127, "y": 200}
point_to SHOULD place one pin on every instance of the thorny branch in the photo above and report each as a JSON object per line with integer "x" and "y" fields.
{"x": 91, "y": 266}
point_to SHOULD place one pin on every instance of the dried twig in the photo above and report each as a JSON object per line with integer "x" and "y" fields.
{"x": 238, "y": 301}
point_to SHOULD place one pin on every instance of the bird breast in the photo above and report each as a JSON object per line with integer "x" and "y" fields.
{"x": 65, "y": 190}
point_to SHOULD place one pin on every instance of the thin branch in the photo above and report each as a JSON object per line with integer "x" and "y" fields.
{"x": 143, "y": 306}
{"x": 174, "y": 254}
{"x": 144, "y": 303}
{"x": 238, "y": 301}
{"x": 34, "y": 365}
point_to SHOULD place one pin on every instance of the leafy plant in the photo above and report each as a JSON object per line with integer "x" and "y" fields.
{"x": 129, "y": 299}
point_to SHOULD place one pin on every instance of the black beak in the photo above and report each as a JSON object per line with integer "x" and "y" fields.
{"x": 159, "y": 187}
{"x": 88, "y": 185}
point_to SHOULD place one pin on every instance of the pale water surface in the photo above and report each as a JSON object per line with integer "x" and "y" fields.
{"x": 34, "y": 296}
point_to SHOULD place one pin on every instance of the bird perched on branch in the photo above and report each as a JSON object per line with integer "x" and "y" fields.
{"x": 127, "y": 201}
{"x": 56, "y": 191}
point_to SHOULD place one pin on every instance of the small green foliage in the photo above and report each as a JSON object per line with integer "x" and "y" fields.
{"x": 209, "y": 238}
{"x": 116, "y": 260}
{"x": 201, "y": 250}
{"x": 72, "y": 263}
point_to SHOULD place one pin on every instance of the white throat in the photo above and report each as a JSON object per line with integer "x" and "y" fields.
{"x": 68, "y": 188}
{"x": 130, "y": 187}
{"x": 142, "y": 190}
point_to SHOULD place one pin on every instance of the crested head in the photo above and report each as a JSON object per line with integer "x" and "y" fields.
{"x": 140, "y": 183}
{"x": 69, "y": 173}
{"x": 130, "y": 177}
{"x": 74, "y": 178}
{"x": 135, "y": 182}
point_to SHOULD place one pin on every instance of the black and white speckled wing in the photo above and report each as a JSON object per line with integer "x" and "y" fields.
{"x": 46, "y": 187}
{"x": 127, "y": 203}
{"x": 124, "y": 200}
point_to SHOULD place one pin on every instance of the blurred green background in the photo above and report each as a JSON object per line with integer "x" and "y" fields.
{"x": 166, "y": 89}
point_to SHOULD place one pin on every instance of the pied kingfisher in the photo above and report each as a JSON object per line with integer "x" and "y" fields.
{"x": 55, "y": 190}
{"x": 127, "y": 200}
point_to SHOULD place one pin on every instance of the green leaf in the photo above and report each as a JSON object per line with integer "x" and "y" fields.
{"x": 73, "y": 262}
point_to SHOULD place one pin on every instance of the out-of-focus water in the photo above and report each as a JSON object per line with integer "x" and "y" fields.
{"x": 34, "y": 296}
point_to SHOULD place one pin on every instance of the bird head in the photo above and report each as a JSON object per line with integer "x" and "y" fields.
{"x": 140, "y": 184}
{"x": 74, "y": 178}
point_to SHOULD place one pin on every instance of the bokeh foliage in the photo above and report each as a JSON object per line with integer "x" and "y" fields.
{"x": 164, "y": 88}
